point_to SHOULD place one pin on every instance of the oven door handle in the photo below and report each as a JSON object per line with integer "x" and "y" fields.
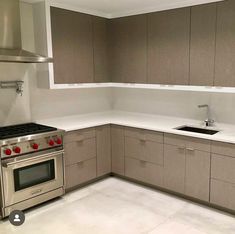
{"x": 36, "y": 158}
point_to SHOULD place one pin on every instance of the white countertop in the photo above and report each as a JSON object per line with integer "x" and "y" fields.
{"x": 138, "y": 120}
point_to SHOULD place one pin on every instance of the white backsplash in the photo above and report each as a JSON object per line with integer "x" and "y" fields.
{"x": 175, "y": 103}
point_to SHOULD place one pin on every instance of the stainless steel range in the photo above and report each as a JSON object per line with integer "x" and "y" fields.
{"x": 31, "y": 166}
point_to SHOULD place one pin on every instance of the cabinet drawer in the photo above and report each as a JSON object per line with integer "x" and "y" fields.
{"x": 223, "y": 194}
{"x": 144, "y": 150}
{"x": 144, "y": 171}
{"x": 79, "y": 173}
{"x": 223, "y": 168}
{"x": 79, "y": 135}
{"x": 188, "y": 142}
{"x": 223, "y": 148}
{"x": 145, "y": 135}
{"x": 79, "y": 151}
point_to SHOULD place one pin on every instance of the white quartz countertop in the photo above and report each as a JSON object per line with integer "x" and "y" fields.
{"x": 145, "y": 121}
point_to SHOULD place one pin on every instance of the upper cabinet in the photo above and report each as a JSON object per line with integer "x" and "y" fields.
{"x": 225, "y": 45}
{"x": 79, "y": 43}
{"x": 100, "y": 40}
{"x": 187, "y": 46}
{"x": 128, "y": 48}
{"x": 202, "y": 45}
{"x": 63, "y": 45}
{"x": 168, "y": 47}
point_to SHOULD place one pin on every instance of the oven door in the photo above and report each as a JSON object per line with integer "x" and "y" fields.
{"x": 30, "y": 177}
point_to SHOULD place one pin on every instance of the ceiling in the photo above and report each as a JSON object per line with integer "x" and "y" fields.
{"x": 118, "y": 8}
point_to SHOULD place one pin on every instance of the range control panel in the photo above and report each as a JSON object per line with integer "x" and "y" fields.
{"x": 17, "y": 149}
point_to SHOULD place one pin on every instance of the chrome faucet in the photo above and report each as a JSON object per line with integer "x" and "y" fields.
{"x": 209, "y": 121}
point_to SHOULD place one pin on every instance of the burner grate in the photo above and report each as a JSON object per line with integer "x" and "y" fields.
{"x": 23, "y": 130}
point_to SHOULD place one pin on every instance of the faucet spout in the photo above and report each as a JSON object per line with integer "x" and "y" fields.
{"x": 209, "y": 121}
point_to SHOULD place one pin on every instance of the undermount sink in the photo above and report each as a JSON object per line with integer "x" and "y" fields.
{"x": 197, "y": 130}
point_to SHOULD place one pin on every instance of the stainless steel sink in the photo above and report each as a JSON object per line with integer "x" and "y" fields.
{"x": 197, "y": 130}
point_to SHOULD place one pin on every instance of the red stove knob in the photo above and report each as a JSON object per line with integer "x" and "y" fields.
{"x": 58, "y": 141}
{"x": 51, "y": 143}
{"x": 35, "y": 146}
{"x": 17, "y": 150}
{"x": 8, "y": 152}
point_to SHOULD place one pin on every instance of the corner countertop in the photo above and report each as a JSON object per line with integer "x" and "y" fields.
{"x": 159, "y": 123}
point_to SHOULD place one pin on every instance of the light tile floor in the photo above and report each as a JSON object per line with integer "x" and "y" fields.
{"x": 114, "y": 206}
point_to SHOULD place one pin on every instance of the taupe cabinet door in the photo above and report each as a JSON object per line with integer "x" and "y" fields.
{"x": 117, "y": 142}
{"x": 197, "y": 174}
{"x": 100, "y": 41}
{"x": 72, "y": 46}
{"x": 202, "y": 45}
{"x": 187, "y": 166}
{"x": 225, "y": 46}
{"x": 128, "y": 46}
{"x": 168, "y": 47}
{"x": 103, "y": 150}
{"x": 174, "y": 168}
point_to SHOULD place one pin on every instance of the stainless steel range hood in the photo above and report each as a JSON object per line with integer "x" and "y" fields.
{"x": 10, "y": 36}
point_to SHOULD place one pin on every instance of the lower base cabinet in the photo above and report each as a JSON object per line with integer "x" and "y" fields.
{"x": 174, "y": 168}
{"x": 79, "y": 173}
{"x": 197, "y": 174}
{"x": 144, "y": 171}
{"x": 223, "y": 194}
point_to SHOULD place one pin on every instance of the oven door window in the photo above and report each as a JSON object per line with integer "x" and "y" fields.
{"x": 35, "y": 174}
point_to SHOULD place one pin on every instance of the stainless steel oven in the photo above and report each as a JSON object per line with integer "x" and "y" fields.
{"x": 31, "y": 166}
{"x": 29, "y": 176}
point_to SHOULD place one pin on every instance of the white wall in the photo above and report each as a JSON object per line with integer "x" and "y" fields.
{"x": 175, "y": 103}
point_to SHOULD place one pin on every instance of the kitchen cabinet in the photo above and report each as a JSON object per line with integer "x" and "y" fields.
{"x": 100, "y": 41}
{"x": 225, "y": 47}
{"x": 168, "y": 47}
{"x": 80, "y": 157}
{"x": 72, "y": 41}
{"x": 174, "y": 168}
{"x": 144, "y": 171}
{"x": 144, "y": 145}
{"x": 117, "y": 146}
{"x": 197, "y": 174}
{"x": 103, "y": 150}
{"x": 202, "y": 45}
{"x": 63, "y": 45}
{"x": 223, "y": 175}
{"x": 187, "y": 166}
{"x": 144, "y": 156}
{"x": 80, "y": 173}
{"x": 128, "y": 46}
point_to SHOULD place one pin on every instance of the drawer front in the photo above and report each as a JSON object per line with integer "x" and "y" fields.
{"x": 176, "y": 140}
{"x": 79, "y": 135}
{"x": 223, "y": 168}
{"x": 144, "y": 150}
{"x": 134, "y": 169}
{"x": 223, "y": 194}
{"x": 187, "y": 142}
{"x": 223, "y": 148}
{"x": 145, "y": 135}
{"x": 143, "y": 171}
{"x": 80, "y": 173}
{"x": 134, "y": 148}
{"x": 79, "y": 151}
